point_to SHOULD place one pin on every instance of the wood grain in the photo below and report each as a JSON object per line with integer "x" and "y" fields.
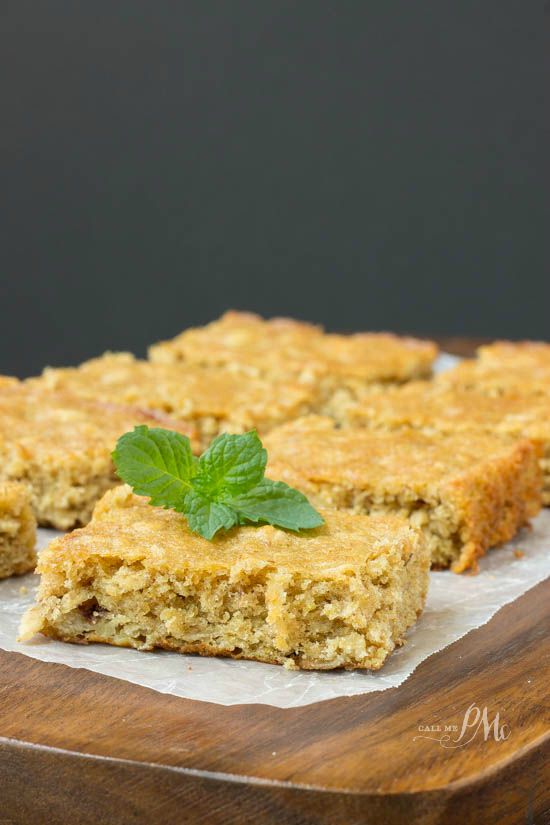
{"x": 79, "y": 747}
{"x": 73, "y": 740}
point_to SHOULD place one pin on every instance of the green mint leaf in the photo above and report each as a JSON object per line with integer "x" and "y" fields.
{"x": 157, "y": 463}
{"x": 206, "y": 516}
{"x": 231, "y": 465}
{"x": 274, "y": 502}
{"x": 224, "y": 488}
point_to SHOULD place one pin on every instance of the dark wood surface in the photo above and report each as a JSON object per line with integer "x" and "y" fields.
{"x": 465, "y": 347}
{"x": 79, "y": 747}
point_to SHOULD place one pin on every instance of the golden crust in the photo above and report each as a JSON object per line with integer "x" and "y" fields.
{"x": 60, "y": 446}
{"x": 490, "y": 378}
{"x": 516, "y": 353}
{"x": 473, "y": 490}
{"x": 213, "y": 401}
{"x": 338, "y": 596}
{"x": 340, "y": 542}
{"x": 426, "y": 406}
{"x": 396, "y": 460}
{"x": 8, "y": 381}
{"x": 282, "y": 347}
{"x": 17, "y": 530}
{"x": 433, "y": 408}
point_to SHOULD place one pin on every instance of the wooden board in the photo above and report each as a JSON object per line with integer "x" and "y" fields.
{"x": 78, "y": 747}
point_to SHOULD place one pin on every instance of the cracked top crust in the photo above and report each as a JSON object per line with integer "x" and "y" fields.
{"x": 246, "y": 342}
{"x": 516, "y": 353}
{"x": 390, "y": 462}
{"x": 492, "y": 378}
{"x": 479, "y": 488}
{"x": 184, "y": 392}
{"x": 125, "y": 526}
{"x": 57, "y": 428}
{"x": 422, "y": 405}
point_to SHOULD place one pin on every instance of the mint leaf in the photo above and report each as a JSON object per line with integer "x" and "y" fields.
{"x": 224, "y": 488}
{"x": 157, "y": 463}
{"x": 274, "y": 502}
{"x": 232, "y": 464}
{"x": 206, "y": 516}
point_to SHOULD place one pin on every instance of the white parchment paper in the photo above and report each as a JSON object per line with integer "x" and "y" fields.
{"x": 455, "y": 606}
{"x": 445, "y": 361}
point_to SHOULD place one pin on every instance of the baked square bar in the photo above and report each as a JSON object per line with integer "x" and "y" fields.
{"x": 339, "y": 596}
{"x": 341, "y": 366}
{"x": 17, "y": 530}
{"x": 212, "y": 401}
{"x": 427, "y": 407}
{"x": 60, "y": 447}
{"x": 467, "y": 491}
{"x": 498, "y": 379}
{"x": 516, "y": 354}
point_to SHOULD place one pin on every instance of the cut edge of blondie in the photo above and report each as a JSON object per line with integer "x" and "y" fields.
{"x": 66, "y": 499}
{"x": 17, "y": 531}
{"x": 348, "y": 617}
{"x": 65, "y": 481}
{"x": 352, "y": 416}
{"x": 461, "y": 525}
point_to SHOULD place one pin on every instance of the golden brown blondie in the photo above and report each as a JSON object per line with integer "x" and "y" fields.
{"x": 212, "y": 401}
{"x": 60, "y": 446}
{"x": 467, "y": 491}
{"x": 516, "y": 354}
{"x": 341, "y": 595}
{"x": 492, "y": 379}
{"x": 428, "y": 407}
{"x": 17, "y": 530}
{"x": 282, "y": 348}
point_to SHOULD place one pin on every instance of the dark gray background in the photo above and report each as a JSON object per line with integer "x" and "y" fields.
{"x": 363, "y": 164}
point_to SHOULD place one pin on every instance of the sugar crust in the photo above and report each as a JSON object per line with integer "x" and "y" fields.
{"x": 341, "y": 595}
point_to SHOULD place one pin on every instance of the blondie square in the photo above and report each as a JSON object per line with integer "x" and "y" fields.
{"x": 210, "y": 401}
{"x": 515, "y": 354}
{"x": 466, "y": 491}
{"x": 60, "y": 447}
{"x": 427, "y": 407}
{"x": 341, "y": 366}
{"x": 17, "y": 530}
{"x": 339, "y": 596}
{"x": 494, "y": 379}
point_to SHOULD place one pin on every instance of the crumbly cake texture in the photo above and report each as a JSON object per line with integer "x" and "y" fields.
{"x": 339, "y": 365}
{"x": 466, "y": 491}
{"x": 60, "y": 447}
{"x": 8, "y": 380}
{"x": 489, "y": 378}
{"x": 212, "y": 401}
{"x": 516, "y": 353}
{"x": 17, "y": 530}
{"x": 339, "y": 596}
{"x": 427, "y": 407}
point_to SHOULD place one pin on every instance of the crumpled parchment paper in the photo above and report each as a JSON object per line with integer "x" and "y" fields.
{"x": 455, "y": 606}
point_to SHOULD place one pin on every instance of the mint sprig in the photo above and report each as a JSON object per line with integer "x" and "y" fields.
{"x": 223, "y": 488}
